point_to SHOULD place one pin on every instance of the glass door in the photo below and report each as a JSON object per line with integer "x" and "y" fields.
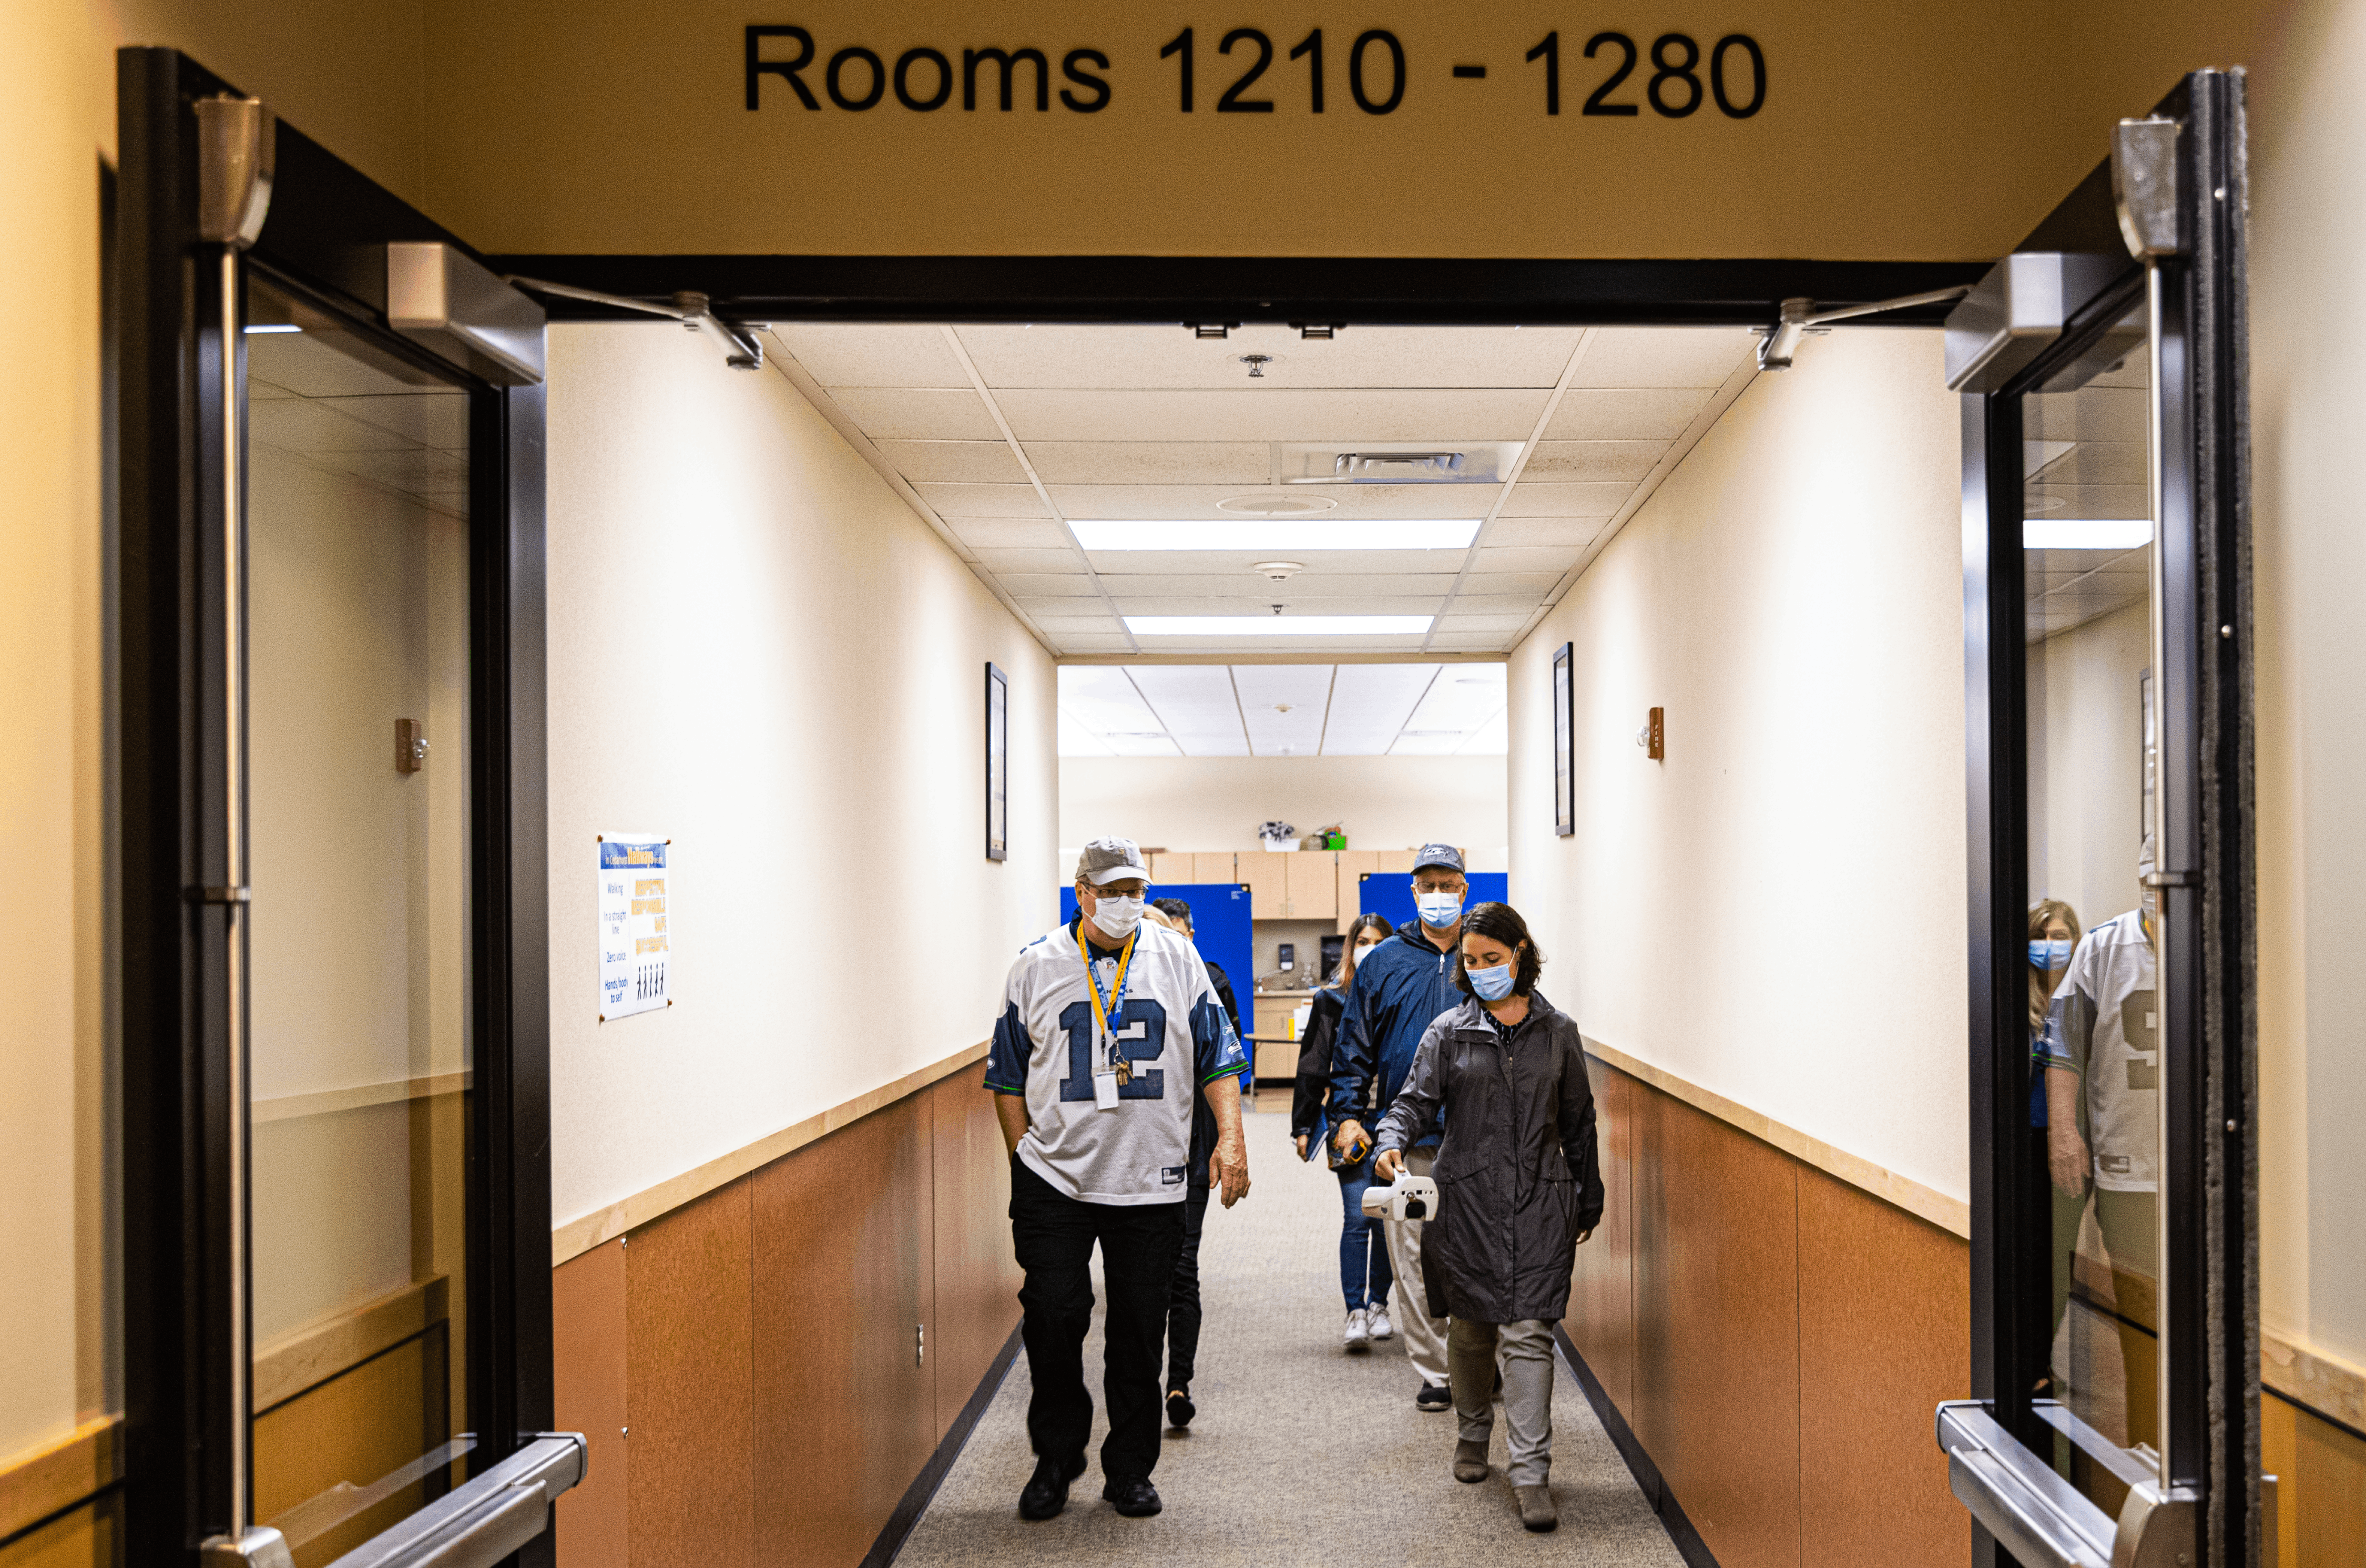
{"x": 2107, "y": 624}
{"x": 359, "y": 960}
{"x": 336, "y": 1198}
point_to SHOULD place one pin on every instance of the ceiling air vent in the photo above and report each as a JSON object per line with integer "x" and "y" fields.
{"x": 1399, "y": 463}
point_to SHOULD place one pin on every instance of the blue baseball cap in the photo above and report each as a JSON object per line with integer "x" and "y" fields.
{"x": 1446, "y": 856}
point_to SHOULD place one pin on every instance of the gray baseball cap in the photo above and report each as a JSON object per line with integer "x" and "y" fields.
{"x": 1111, "y": 860}
{"x": 1446, "y": 856}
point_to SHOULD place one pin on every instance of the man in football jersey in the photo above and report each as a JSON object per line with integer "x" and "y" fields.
{"x": 1109, "y": 1031}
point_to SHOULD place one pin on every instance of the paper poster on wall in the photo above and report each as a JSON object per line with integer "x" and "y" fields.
{"x": 633, "y": 953}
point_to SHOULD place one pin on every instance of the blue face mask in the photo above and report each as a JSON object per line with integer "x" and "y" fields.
{"x": 1438, "y": 910}
{"x": 1493, "y": 985}
{"x": 2053, "y": 955}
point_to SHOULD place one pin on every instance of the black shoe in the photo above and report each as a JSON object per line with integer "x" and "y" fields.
{"x": 1434, "y": 1396}
{"x": 1134, "y": 1499}
{"x": 1179, "y": 1408}
{"x": 1047, "y": 1493}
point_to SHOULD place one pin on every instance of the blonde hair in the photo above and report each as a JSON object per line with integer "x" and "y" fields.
{"x": 2041, "y": 914}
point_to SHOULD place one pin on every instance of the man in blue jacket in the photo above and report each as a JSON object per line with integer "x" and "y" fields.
{"x": 1400, "y": 986}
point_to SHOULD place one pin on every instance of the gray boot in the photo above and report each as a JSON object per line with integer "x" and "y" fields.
{"x": 1469, "y": 1460}
{"x": 1536, "y": 1509}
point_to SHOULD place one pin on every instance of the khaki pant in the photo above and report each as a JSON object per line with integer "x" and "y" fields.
{"x": 1527, "y": 1366}
{"x": 1425, "y": 1337}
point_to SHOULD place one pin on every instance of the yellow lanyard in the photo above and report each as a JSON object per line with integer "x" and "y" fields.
{"x": 1116, "y": 1003}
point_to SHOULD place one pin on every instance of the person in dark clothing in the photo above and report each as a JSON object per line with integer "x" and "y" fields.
{"x": 1400, "y": 986}
{"x": 1183, "y": 1314}
{"x": 1364, "y": 1276}
{"x": 1518, "y": 1190}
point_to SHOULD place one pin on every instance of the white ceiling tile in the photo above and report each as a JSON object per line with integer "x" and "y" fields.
{"x": 983, "y": 501}
{"x": 1233, "y": 463}
{"x": 1621, "y": 460}
{"x": 1276, "y": 414}
{"x": 1664, "y": 357}
{"x": 1493, "y": 738}
{"x": 1531, "y": 500}
{"x": 1253, "y": 603}
{"x": 964, "y": 462}
{"x": 1267, "y": 690}
{"x": 873, "y": 353}
{"x": 1045, "y": 607}
{"x": 1195, "y": 704}
{"x": 1475, "y": 642}
{"x": 1354, "y": 501}
{"x": 1103, "y": 699}
{"x": 1517, "y": 560}
{"x": 1112, "y": 642}
{"x": 1013, "y": 534}
{"x": 1524, "y": 584}
{"x": 1003, "y": 562}
{"x": 1076, "y": 739}
{"x": 1306, "y": 584}
{"x": 1369, "y": 703}
{"x": 1049, "y": 585}
{"x": 1169, "y": 356}
{"x": 1497, "y": 604}
{"x": 1230, "y": 647}
{"x": 1224, "y": 563}
{"x": 886, "y": 413}
{"x": 1459, "y": 625}
{"x": 1461, "y": 700}
{"x": 1624, "y": 414}
{"x": 1567, "y": 533}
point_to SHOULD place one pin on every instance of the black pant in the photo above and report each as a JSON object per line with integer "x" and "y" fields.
{"x": 1054, "y": 1236}
{"x": 1183, "y": 1308}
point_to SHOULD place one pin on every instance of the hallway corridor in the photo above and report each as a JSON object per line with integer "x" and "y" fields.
{"x": 1300, "y": 1453}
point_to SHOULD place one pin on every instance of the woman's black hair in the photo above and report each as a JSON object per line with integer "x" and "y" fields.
{"x": 1502, "y": 922}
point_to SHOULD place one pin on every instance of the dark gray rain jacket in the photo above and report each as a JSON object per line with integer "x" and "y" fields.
{"x": 1517, "y": 1176}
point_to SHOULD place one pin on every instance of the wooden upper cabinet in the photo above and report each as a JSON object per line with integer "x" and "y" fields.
{"x": 1268, "y": 875}
{"x": 1207, "y": 866}
{"x": 1313, "y": 882}
{"x": 1171, "y": 865}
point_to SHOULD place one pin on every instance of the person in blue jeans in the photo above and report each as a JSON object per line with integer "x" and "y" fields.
{"x": 1364, "y": 1276}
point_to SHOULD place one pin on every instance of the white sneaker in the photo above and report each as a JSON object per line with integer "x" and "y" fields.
{"x": 1358, "y": 1337}
{"x": 1378, "y": 1317}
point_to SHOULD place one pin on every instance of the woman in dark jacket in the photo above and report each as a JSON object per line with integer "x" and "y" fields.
{"x": 1364, "y": 1278}
{"x": 1518, "y": 1189}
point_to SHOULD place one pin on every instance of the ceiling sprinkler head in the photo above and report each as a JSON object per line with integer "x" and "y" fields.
{"x": 1281, "y": 707}
{"x": 1277, "y": 570}
{"x": 1256, "y": 362}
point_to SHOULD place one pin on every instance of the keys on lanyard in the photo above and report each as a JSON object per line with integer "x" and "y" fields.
{"x": 1112, "y": 1071}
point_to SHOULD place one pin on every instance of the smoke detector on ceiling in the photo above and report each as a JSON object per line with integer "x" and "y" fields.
{"x": 1279, "y": 571}
{"x": 1277, "y": 505}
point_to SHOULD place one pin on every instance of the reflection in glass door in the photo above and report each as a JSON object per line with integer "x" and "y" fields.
{"x": 359, "y": 948}
{"x": 2094, "y": 1010}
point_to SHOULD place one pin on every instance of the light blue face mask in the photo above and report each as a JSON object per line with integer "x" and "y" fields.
{"x": 2049, "y": 954}
{"x": 1493, "y": 985}
{"x": 1438, "y": 910}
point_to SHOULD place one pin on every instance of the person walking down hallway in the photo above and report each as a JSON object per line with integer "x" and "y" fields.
{"x": 1109, "y": 1031}
{"x": 1364, "y": 1275}
{"x": 1183, "y": 1313}
{"x": 1519, "y": 1188}
{"x": 1400, "y": 986}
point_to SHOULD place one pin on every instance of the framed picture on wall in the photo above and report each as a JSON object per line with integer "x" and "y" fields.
{"x": 1564, "y": 728}
{"x": 998, "y": 764}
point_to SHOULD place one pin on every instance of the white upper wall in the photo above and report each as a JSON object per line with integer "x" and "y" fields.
{"x": 758, "y": 650}
{"x": 1216, "y": 803}
{"x": 1775, "y": 913}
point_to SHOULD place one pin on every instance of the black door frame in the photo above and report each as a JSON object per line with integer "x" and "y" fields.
{"x": 324, "y": 239}
{"x": 2208, "y": 1187}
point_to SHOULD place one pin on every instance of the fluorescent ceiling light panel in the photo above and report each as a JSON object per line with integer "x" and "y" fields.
{"x": 262, "y": 327}
{"x": 2085, "y": 533}
{"x": 1276, "y": 534}
{"x": 1276, "y": 625}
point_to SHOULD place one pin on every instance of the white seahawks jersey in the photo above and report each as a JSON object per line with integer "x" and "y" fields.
{"x": 2104, "y": 1025}
{"x": 1173, "y": 1037}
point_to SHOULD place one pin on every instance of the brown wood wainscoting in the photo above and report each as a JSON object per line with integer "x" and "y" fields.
{"x": 765, "y": 1370}
{"x": 1774, "y": 1338}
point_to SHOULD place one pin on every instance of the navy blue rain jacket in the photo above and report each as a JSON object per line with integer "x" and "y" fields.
{"x": 1400, "y": 987}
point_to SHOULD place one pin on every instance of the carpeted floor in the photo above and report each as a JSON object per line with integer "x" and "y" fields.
{"x": 1300, "y": 1453}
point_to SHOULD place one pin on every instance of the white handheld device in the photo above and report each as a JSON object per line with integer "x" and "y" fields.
{"x": 1409, "y": 1197}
